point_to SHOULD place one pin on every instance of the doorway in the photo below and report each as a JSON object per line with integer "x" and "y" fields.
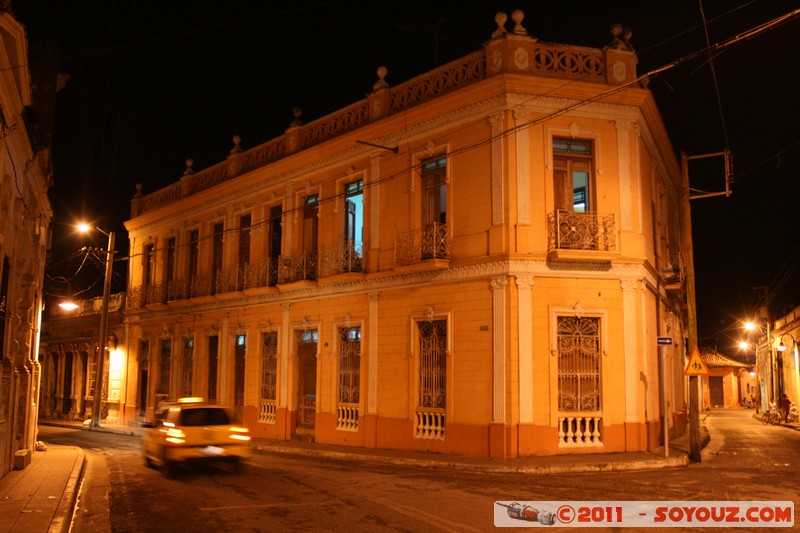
{"x": 307, "y": 379}
{"x": 715, "y": 391}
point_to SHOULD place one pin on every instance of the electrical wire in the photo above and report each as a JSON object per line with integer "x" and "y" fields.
{"x": 709, "y": 49}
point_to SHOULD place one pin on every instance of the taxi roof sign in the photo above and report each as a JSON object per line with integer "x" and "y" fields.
{"x": 696, "y": 366}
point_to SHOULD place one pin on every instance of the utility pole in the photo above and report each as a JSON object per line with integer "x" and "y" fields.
{"x": 686, "y": 239}
{"x": 688, "y": 246}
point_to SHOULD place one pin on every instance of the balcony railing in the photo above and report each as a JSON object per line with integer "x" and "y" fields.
{"x": 266, "y": 411}
{"x": 345, "y": 257}
{"x": 347, "y": 417}
{"x": 298, "y": 267}
{"x": 581, "y": 231}
{"x": 580, "y": 431}
{"x": 431, "y": 242}
{"x": 430, "y": 423}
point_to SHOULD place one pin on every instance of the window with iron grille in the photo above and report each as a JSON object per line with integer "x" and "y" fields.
{"x": 213, "y": 361}
{"x": 269, "y": 366}
{"x": 349, "y": 364}
{"x": 188, "y": 358}
{"x": 432, "y": 363}
{"x": 166, "y": 364}
{"x": 578, "y": 364}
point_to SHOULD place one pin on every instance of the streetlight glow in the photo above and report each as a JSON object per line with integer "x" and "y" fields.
{"x": 749, "y": 326}
{"x": 68, "y": 306}
{"x": 102, "y": 340}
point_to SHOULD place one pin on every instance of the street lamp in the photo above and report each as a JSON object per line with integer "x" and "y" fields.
{"x": 98, "y": 378}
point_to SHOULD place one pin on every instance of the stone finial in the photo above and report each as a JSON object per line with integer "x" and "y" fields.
{"x": 236, "y": 148}
{"x": 381, "y": 83}
{"x": 517, "y": 17}
{"x": 620, "y": 38}
{"x": 500, "y": 19}
{"x": 139, "y": 187}
{"x": 297, "y": 112}
{"x": 189, "y": 170}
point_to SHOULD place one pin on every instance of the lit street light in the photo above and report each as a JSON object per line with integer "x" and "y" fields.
{"x": 98, "y": 379}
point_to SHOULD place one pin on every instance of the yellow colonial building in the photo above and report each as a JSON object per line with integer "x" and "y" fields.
{"x": 476, "y": 261}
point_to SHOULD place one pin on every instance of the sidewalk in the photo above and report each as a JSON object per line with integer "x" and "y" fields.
{"x": 42, "y": 497}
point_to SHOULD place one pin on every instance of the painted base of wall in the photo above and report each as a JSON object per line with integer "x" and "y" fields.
{"x": 495, "y": 440}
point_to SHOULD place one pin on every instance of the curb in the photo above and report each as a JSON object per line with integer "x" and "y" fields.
{"x": 612, "y": 466}
{"x": 62, "y": 519}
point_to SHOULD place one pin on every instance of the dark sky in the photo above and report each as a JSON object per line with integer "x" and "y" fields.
{"x": 156, "y": 82}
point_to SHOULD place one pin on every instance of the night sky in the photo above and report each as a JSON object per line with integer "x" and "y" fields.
{"x": 153, "y": 83}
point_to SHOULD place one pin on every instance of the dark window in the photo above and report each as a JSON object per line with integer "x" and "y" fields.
{"x": 275, "y": 236}
{"x": 213, "y": 353}
{"x": 310, "y": 211}
{"x": 434, "y": 191}
{"x": 148, "y": 271}
{"x": 194, "y": 252}
{"x": 244, "y": 240}
{"x": 216, "y": 259}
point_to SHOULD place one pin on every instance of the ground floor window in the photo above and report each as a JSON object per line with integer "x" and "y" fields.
{"x": 188, "y": 364}
{"x": 269, "y": 377}
{"x": 432, "y": 399}
{"x": 579, "y": 381}
{"x": 165, "y": 365}
{"x": 349, "y": 378}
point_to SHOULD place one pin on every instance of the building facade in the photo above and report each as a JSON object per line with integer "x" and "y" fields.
{"x": 25, "y": 215}
{"x": 730, "y": 383}
{"x": 476, "y": 261}
{"x": 779, "y": 360}
{"x": 70, "y": 342}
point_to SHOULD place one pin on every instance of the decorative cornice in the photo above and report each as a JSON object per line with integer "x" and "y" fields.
{"x": 521, "y": 269}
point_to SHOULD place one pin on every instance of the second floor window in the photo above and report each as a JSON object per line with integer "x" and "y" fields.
{"x": 216, "y": 255}
{"x": 310, "y": 228}
{"x": 244, "y": 240}
{"x": 148, "y": 256}
{"x": 572, "y": 175}
{"x": 194, "y": 252}
{"x": 434, "y": 191}
{"x": 354, "y": 212}
{"x": 169, "y": 263}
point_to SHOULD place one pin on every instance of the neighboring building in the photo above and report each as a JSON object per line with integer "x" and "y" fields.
{"x": 68, "y": 355}
{"x": 477, "y": 261}
{"x": 786, "y": 374}
{"x": 729, "y": 383}
{"x": 25, "y": 215}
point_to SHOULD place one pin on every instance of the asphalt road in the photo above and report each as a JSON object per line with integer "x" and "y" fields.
{"x": 745, "y": 460}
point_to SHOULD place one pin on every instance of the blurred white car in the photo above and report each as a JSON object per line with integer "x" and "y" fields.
{"x": 191, "y": 430}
